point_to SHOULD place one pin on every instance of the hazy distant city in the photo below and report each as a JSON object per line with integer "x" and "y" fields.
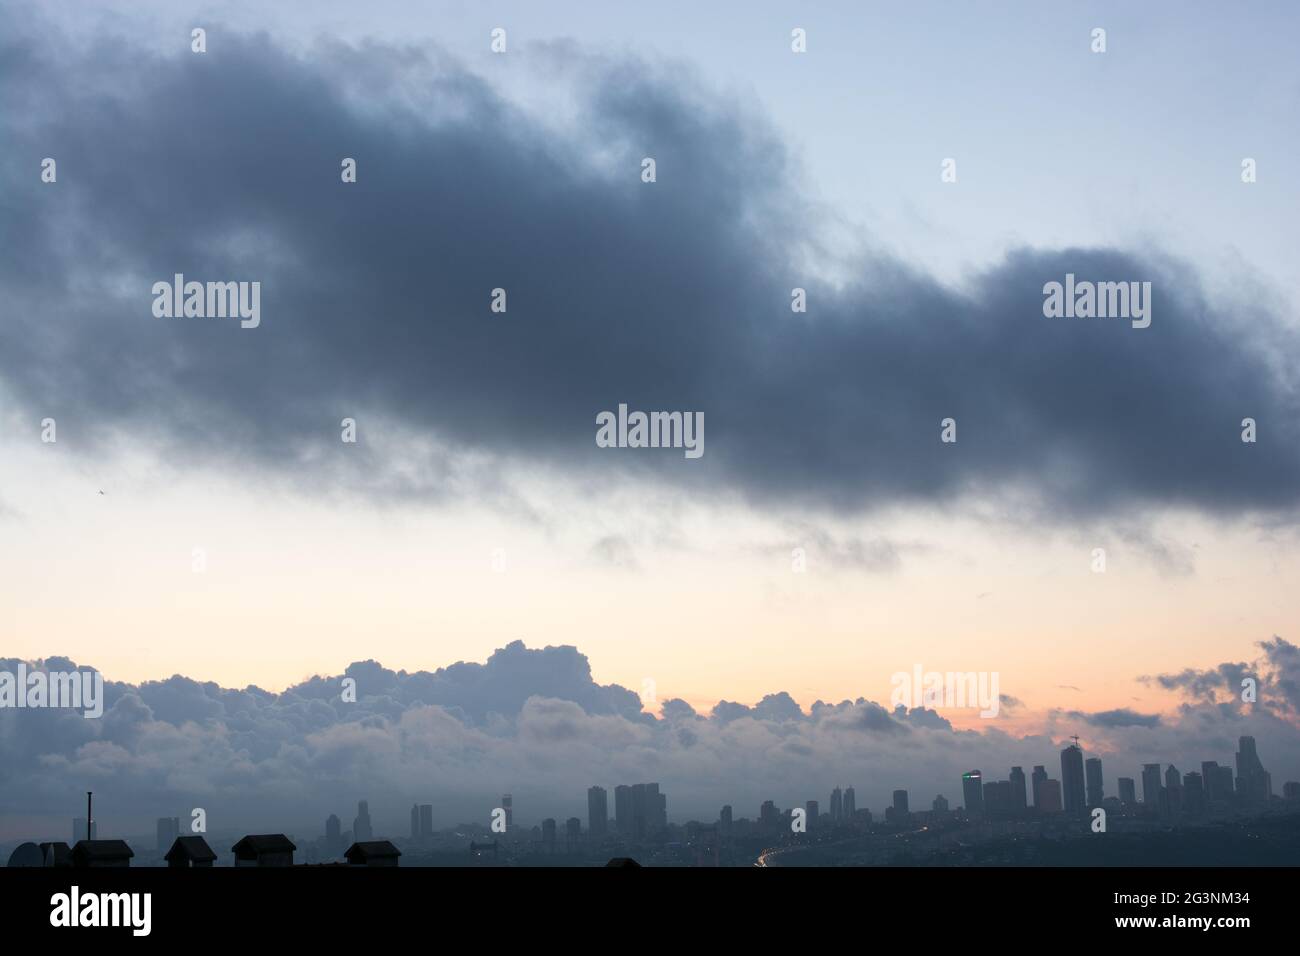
{"x": 1217, "y": 815}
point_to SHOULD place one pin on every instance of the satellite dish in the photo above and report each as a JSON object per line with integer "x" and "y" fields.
{"x": 27, "y": 854}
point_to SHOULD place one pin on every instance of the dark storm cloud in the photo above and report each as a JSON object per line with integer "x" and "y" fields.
{"x": 225, "y": 166}
{"x": 1120, "y": 717}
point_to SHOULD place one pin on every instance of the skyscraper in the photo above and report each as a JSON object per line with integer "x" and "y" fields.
{"x": 1253, "y": 781}
{"x": 415, "y": 822}
{"x": 724, "y": 820}
{"x": 1072, "y": 785}
{"x": 940, "y": 805}
{"x": 1174, "y": 788}
{"x": 972, "y": 791}
{"x": 333, "y": 836}
{"x": 1194, "y": 792}
{"x": 1036, "y": 785}
{"x": 623, "y": 810}
{"x": 572, "y": 834}
{"x": 548, "y": 835}
{"x": 426, "y": 822}
{"x": 900, "y": 802}
{"x": 837, "y": 805}
{"x": 850, "y": 805}
{"x": 1151, "y": 785}
{"x": 811, "y": 812}
{"x": 1127, "y": 791}
{"x": 1019, "y": 797}
{"x": 361, "y": 825}
{"x": 1049, "y": 792}
{"x": 1092, "y": 771}
{"x": 597, "y": 811}
{"x": 508, "y": 805}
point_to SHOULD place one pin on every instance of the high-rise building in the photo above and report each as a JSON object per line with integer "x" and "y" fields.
{"x": 548, "y": 835}
{"x": 1194, "y": 792}
{"x": 900, "y": 802}
{"x": 361, "y": 831}
{"x": 1036, "y": 784}
{"x": 997, "y": 799}
{"x": 333, "y": 836}
{"x": 1072, "y": 785}
{"x": 1253, "y": 782}
{"x": 415, "y": 822}
{"x": 597, "y": 811}
{"x": 1211, "y": 779}
{"x": 940, "y": 805}
{"x": 1174, "y": 789}
{"x": 426, "y": 822}
{"x": 1092, "y": 774}
{"x": 810, "y": 813}
{"x": 623, "y": 810}
{"x": 1049, "y": 792}
{"x": 572, "y": 834}
{"x": 972, "y": 791}
{"x": 1291, "y": 790}
{"x": 768, "y": 815}
{"x": 508, "y": 805}
{"x": 1151, "y": 786}
{"x": 837, "y": 805}
{"x": 850, "y": 805}
{"x": 1019, "y": 796}
{"x": 1127, "y": 791}
{"x": 724, "y": 821}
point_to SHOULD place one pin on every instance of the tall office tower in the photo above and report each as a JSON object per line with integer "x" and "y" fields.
{"x": 661, "y": 817}
{"x": 623, "y": 810}
{"x": 1225, "y": 783}
{"x": 426, "y": 822}
{"x": 1210, "y": 777}
{"x": 972, "y": 791}
{"x": 1291, "y": 790}
{"x": 768, "y": 814}
{"x": 940, "y": 805}
{"x": 415, "y": 822}
{"x": 900, "y": 802}
{"x": 724, "y": 820}
{"x": 1050, "y": 793}
{"x": 572, "y": 834}
{"x": 548, "y": 834}
{"x": 1072, "y": 786}
{"x": 508, "y": 805}
{"x": 850, "y": 805}
{"x": 811, "y": 811}
{"x": 1127, "y": 791}
{"x": 1019, "y": 797}
{"x": 1036, "y": 783}
{"x": 361, "y": 831}
{"x": 597, "y": 811}
{"x": 992, "y": 804}
{"x": 1174, "y": 789}
{"x": 1151, "y": 784}
{"x": 837, "y": 805}
{"x": 333, "y": 835}
{"x": 1194, "y": 792}
{"x": 1253, "y": 781}
{"x": 1092, "y": 772}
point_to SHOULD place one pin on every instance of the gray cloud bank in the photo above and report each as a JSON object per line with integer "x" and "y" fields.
{"x": 225, "y": 166}
{"x": 532, "y": 722}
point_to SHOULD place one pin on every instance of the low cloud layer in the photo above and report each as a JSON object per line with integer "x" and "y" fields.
{"x": 672, "y": 295}
{"x": 532, "y": 722}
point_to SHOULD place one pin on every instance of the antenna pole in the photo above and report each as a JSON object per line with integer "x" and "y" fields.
{"x": 90, "y": 819}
